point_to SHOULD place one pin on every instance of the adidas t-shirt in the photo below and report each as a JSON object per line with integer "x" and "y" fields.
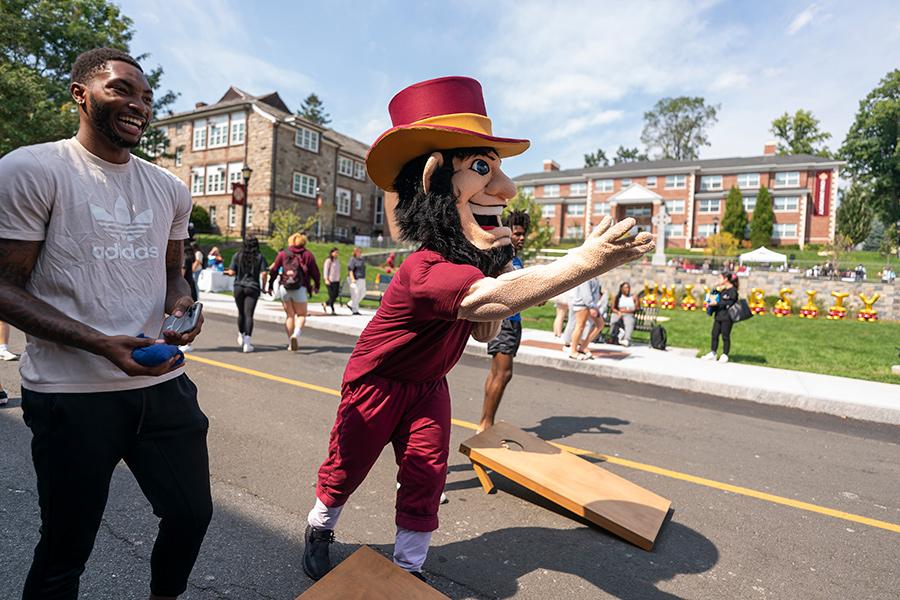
{"x": 105, "y": 229}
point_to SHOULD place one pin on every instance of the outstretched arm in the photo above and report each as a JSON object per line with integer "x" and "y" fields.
{"x": 491, "y": 299}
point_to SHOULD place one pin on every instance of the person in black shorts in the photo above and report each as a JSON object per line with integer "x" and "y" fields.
{"x": 505, "y": 346}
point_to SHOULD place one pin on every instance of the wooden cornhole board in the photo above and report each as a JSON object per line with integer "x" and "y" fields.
{"x": 605, "y": 499}
{"x": 367, "y": 574}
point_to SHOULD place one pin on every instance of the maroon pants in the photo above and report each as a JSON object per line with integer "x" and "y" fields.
{"x": 415, "y": 418}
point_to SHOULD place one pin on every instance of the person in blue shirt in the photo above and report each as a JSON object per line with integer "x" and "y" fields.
{"x": 504, "y": 347}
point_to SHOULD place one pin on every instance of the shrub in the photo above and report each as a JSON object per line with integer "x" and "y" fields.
{"x": 200, "y": 219}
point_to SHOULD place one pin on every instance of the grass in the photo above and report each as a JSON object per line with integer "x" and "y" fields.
{"x": 845, "y": 348}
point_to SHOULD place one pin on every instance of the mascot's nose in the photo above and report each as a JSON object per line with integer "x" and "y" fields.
{"x": 501, "y": 186}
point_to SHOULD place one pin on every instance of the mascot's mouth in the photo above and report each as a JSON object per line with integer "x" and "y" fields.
{"x": 487, "y": 217}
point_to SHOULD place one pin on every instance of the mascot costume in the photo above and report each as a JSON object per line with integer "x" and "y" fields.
{"x": 440, "y": 164}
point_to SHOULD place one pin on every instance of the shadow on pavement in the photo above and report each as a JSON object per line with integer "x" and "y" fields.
{"x": 555, "y": 428}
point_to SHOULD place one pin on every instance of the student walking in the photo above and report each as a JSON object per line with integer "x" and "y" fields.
{"x": 248, "y": 266}
{"x": 585, "y": 311}
{"x": 331, "y": 271}
{"x": 719, "y": 304}
{"x": 356, "y": 276}
{"x": 5, "y": 354}
{"x": 299, "y": 280}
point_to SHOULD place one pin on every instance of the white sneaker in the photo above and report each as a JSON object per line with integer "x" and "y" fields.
{"x": 626, "y": 342}
{"x": 248, "y": 347}
{"x": 7, "y": 355}
{"x": 186, "y": 348}
{"x": 723, "y": 358}
{"x": 241, "y": 337}
{"x": 444, "y": 498}
{"x": 709, "y": 356}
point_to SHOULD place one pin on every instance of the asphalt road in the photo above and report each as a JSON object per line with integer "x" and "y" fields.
{"x": 268, "y": 437}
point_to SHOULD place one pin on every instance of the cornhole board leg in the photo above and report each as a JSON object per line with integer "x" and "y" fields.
{"x": 483, "y": 477}
{"x": 367, "y": 574}
{"x": 605, "y": 499}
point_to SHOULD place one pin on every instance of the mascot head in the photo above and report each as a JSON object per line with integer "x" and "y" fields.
{"x": 440, "y": 167}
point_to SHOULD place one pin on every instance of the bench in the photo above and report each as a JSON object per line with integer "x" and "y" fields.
{"x": 645, "y": 319}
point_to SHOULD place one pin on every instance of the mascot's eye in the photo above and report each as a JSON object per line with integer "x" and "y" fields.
{"x": 481, "y": 167}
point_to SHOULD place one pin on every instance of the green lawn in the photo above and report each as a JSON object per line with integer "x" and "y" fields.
{"x": 846, "y": 348}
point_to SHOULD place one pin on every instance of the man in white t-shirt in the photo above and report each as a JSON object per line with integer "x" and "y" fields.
{"x": 91, "y": 252}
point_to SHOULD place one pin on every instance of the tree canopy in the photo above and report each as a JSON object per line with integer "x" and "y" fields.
{"x": 676, "y": 127}
{"x": 313, "y": 110}
{"x": 539, "y": 233}
{"x": 799, "y": 134}
{"x": 625, "y": 155}
{"x": 596, "y": 159}
{"x": 763, "y": 220}
{"x": 854, "y": 214}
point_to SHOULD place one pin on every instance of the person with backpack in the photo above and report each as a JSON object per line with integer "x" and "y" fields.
{"x": 718, "y": 305}
{"x": 246, "y": 266}
{"x": 299, "y": 280}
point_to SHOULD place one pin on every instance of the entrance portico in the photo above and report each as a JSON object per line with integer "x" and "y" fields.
{"x": 638, "y": 202}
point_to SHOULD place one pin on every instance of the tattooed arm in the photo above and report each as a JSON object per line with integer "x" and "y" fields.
{"x": 35, "y": 317}
{"x": 178, "y": 293}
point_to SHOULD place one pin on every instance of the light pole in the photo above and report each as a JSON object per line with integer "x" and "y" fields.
{"x": 716, "y": 225}
{"x": 246, "y": 172}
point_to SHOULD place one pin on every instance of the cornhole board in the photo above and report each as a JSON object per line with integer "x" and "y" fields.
{"x": 605, "y": 499}
{"x": 367, "y": 574}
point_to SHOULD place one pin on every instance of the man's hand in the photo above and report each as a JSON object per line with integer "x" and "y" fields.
{"x": 118, "y": 348}
{"x": 181, "y": 339}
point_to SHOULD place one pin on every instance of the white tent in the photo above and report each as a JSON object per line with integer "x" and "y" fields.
{"x": 763, "y": 255}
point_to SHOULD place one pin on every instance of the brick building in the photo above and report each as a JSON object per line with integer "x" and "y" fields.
{"x": 296, "y": 164}
{"x": 693, "y": 192}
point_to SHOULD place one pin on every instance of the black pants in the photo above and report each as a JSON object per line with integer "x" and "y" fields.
{"x": 334, "y": 288}
{"x": 189, "y": 277}
{"x": 78, "y": 439}
{"x": 723, "y": 328}
{"x": 245, "y": 298}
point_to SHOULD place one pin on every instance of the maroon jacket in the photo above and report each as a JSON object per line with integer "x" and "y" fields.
{"x": 312, "y": 270}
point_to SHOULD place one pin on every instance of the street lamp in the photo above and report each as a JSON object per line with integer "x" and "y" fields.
{"x": 716, "y": 225}
{"x": 246, "y": 172}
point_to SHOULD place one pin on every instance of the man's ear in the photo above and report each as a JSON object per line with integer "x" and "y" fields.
{"x": 435, "y": 162}
{"x": 78, "y": 91}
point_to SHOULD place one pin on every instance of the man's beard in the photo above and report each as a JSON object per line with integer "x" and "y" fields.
{"x": 101, "y": 117}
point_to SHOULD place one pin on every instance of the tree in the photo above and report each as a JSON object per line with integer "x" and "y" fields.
{"x": 763, "y": 219}
{"x": 285, "y": 223}
{"x": 539, "y": 233}
{"x": 313, "y": 110}
{"x": 854, "y": 214}
{"x": 677, "y": 126}
{"x": 799, "y": 134}
{"x": 155, "y": 142}
{"x": 721, "y": 244}
{"x": 872, "y": 151}
{"x": 596, "y": 159}
{"x": 735, "y": 219}
{"x": 625, "y": 155}
{"x": 875, "y": 237}
{"x": 200, "y": 219}
{"x": 838, "y": 249}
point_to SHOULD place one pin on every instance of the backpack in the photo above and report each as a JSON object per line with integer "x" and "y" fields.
{"x": 658, "y": 337}
{"x": 293, "y": 271}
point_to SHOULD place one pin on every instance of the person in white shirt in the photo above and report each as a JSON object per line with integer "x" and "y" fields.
{"x": 623, "y": 310}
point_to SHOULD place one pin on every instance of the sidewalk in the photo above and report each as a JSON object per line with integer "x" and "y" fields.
{"x": 676, "y": 368}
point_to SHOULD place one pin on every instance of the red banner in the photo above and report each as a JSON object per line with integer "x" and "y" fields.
{"x": 238, "y": 194}
{"x": 822, "y": 193}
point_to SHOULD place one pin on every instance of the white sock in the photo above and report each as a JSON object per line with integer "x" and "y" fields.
{"x": 324, "y": 517}
{"x": 297, "y": 331}
{"x": 3, "y": 347}
{"x": 411, "y": 549}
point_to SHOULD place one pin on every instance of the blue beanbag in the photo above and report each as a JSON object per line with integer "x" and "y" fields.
{"x": 157, "y": 354}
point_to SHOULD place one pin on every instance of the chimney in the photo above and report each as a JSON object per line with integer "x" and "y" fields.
{"x": 551, "y": 165}
{"x": 769, "y": 148}
{"x": 200, "y": 104}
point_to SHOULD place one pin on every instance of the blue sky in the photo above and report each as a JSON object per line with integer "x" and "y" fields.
{"x": 570, "y": 76}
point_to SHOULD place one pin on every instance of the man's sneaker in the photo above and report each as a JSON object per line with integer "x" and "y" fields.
{"x": 248, "y": 347}
{"x": 316, "y": 551}
{"x": 418, "y": 575}
{"x": 3, "y": 398}
{"x": 240, "y": 339}
{"x": 723, "y": 358}
{"x": 294, "y": 344}
{"x": 709, "y": 356}
{"x": 7, "y": 355}
{"x": 186, "y": 348}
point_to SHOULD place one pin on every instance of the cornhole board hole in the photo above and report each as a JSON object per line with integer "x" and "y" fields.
{"x": 367, "y": 574}
{"x": 603, "y": 498}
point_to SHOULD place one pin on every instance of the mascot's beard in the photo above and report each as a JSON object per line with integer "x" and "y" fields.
{"x": 432, "y": 220}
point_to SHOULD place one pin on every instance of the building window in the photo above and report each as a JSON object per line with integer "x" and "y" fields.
{"x": 705, "y": 230}
{"x": 341, "y": 233}
{"x": 232, "y": 216}
{"x": 748, "y": 180}
{"x": 676, "y": 182}
{"x": 675, "y": 230}
{"x": 212, "y": 215}
{"x": 624, "y": 183}
{"x": 304, "y": 185}
{"x": 342, "y": 202}
{"x": 603, "y": 185}
{"x": 215, "y": 179}
{"x": 551, "y": 191}
{"x": 379, "y": 210}
{"x": 197, "y": 178}
{"x": 710, "y": 183}
{"x": 575, "y": 210}
{"x": 782, "y": 231}
{"x": 249, "y": 217}
{"x": 709, "y": 205}
{"x": 359, "y": 171}
{"x": 785, "y": 203}
{"x": 637, "y": 211}
{"x": 577, "y": 189}
{"x": 749, "y": 203}
{"x": 199, "y": 135}
{"x": 238, "y": 128}
{"x": 548, "y": 211}
{"x": 601, "y": 208}
{"x": 528, "y": 190}
{"x": 179, "y": 156}
{"x": 218, "y": 131}
{"x": 345, "y": 166}
{"x": 574, "y": 232}
{"x": 651, "y": 181}
{"x": 358, "y": 204}
{"x": 787, "y": 179}
{"x": 675, "y": 206}
{"x": 307, "y": 139}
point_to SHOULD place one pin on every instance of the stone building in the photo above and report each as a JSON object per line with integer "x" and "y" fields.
{"x": 296, "y": 164}
{"x": 803, "y": 189}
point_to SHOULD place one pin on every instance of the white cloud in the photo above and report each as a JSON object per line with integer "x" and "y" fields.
{"x": 579, "y": 124}
{"x": 803, "y": 18}
{"x": 730, "y": 80}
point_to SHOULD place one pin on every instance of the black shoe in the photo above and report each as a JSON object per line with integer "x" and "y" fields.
{"x": 418, "y": 575}
{"x": 3, "y": 397}
{"x": 316, "y": 556}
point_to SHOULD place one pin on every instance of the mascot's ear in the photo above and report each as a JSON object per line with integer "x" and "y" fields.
{"x": 435, "y": 162}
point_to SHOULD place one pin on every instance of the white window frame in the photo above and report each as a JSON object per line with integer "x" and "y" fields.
{"x": 575, "y": 210}
{"x": 671, "y": 227}
{"x": 675, "y": 206}
{"x": 551, "y": 190}
{"x": 215, "y": 179}
{"x": 575, "y": 232}
{"x": 248, "y": 218}
{"x": 779, "y": 233}
{"x": 198, "y": 181}
{"x": 748, "y": 205}
{"x": 788, "y": 179}
{"x": 527, "y": 190}
{"x": 358, "y": 201}
{"x": 676, "y": 182}
{"x": 704, "y": 230}
{"x": 345, "y": 166}
{"x": 750, "y": 180}
{"x": 342, "y": 199}
{"x": 234, "y": 175}
{"x": 238, "y": 128}
{"x": 179, "y": 156}
{"x": 379, "y": 210}
{"x": 601, "y": 208}
{"x": 631, "y": 211}
{"x": 651, "y": 181}
{"x": 794, "y": 207}
{"x": 704, "y": 206}
{"x": 218, "y": 131}
{"x": 359, "y": 170}
{"x": 232, "y": 216}
{"x": 198, "y": 136}
{"x": 212, "y": 215}
{"x": 625, "y": 182}
{"x": 548, "y": 211}
{"x": 603, "y": 185}
{"x": 577, "y": 189}
{"x": 307, "y": 139}
{"x": 304, "y": 185}
{"x": 710, "y": 183}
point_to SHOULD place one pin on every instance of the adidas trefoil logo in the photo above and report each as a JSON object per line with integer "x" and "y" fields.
{"x": 120, "y": 226}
